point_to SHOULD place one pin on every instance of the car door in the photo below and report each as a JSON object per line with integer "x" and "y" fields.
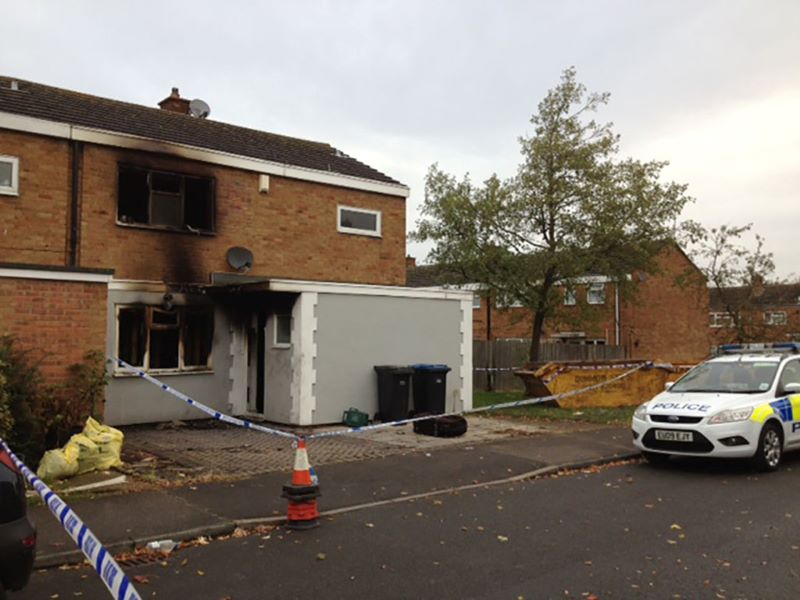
{"x": 789, "y": 401}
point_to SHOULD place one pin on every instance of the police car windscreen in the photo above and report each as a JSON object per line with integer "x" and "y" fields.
{"x": 728, "y": 378}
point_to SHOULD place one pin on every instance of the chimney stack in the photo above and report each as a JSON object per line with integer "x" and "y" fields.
{"x": 174, "y": 103}
{"x": 411, "y": 262}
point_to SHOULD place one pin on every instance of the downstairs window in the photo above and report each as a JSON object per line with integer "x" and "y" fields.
{"x": 179, "y": 339}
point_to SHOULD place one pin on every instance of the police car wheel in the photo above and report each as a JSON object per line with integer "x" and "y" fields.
{"x": 656, "y": 458}
{"x": 770, "y": 448}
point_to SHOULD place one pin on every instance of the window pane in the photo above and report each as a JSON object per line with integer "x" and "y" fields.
{"x": 132, "y": 335}
{"x": 165, "y": 182}
{"x": 6, "y": 172}
{"x": 198, "y": 336}
{"x": 199, "y": 205}
{"x": 596, "y": 294}
{"x": 166, "y": 209}
{"x": 133, "y": 196}
{"x": 283, "y": 329}
{"x": 164, "y": 348}
{"x": 165, "y": 318}
{"x": 358, "y": 220}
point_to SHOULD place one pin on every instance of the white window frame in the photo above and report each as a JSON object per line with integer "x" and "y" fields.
{"x": 770, "y": 317}
{"x": 718, "y": 320}
{"x": 275, "y": 342}
{"x": 476, "y": 301}
{"x": 353, "y": 230}
{"x": 593, "y": 288}
{"x": 12, "y": 190}
{"x": 570, "y": 297}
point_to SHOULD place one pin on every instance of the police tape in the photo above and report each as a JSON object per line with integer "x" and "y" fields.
{"x": 206, "y": 409}
{"x": 351, "y": 430}
{"x": 491, "y": 407}
{"x": 495, "y": 369}
{"x": 110, "y": 572}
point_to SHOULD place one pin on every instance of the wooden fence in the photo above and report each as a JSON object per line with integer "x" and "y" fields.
{"x": 507, "y": 355}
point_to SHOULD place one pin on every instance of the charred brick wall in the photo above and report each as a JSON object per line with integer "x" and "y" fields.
{"x": 291, "y": 230}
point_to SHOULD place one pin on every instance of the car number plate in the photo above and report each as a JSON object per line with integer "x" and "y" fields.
{"x": 674, "y": 436}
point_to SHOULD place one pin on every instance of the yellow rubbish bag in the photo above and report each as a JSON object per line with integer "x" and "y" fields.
{"x": 58, "y": 464}
{"x": 97, "y": 448}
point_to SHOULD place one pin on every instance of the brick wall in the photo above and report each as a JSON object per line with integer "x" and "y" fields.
{"x": 665, "y": 319}
{"x": 291, "y": 230}
{"x": 668, "y": 318}
{"x": 33, "y": 225}
{"x": 58, "y": 321}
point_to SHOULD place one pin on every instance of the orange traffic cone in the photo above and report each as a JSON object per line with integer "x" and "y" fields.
{"x": 302, "y": 493}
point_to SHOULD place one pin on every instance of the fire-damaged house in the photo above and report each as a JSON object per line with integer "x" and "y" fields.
{"x": 258, "y": 273}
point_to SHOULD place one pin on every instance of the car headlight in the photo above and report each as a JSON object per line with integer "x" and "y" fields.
{"x": 641, "y": 412}
{"x": 731, "y": 416}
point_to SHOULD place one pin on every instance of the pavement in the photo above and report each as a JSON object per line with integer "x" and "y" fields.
{"x": 382, "y": 472}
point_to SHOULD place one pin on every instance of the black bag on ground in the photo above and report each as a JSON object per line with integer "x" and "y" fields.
{"x": 449, "y": 426}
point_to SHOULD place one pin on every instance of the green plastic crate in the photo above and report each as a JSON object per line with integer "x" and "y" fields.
{"x": 353, "y": 417}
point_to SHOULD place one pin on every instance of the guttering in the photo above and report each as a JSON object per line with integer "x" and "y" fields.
{"x": 55, "y": 273}
{"x": 132, "y": 142}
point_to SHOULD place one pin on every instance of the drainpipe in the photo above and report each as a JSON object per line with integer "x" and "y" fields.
{"x": 616, "y": 313}
{"x": 74, "y": 207}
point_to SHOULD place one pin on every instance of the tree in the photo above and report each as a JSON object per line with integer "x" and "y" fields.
{"x": 737, "y": 273}
{"x": 571, "y": 209}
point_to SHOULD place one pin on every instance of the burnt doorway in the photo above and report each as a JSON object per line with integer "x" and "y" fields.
{"x": 256, "y": 358}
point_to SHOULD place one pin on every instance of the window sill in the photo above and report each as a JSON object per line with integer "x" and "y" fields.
{"x": 122, "y": 374}
{"x": 9, "y": 192}
{"x": 370, "y": 234}
{"x": 200, "y": 232}
{"x": 281, "y": 346}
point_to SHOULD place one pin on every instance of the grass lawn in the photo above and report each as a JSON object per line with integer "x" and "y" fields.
{"x": 607, "y": 416}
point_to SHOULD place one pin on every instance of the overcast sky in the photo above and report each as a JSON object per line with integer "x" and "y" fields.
{"x": 711, "y": 86}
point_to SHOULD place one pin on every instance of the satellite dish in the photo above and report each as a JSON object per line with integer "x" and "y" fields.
{"x": 240, "y": 258}
{"x": 199, "y": 108}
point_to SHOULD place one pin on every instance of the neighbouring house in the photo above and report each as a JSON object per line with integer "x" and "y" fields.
{"x": 258, "y": 273}
{"x": 665, "y": 317}
{"x": 766, "y": 313}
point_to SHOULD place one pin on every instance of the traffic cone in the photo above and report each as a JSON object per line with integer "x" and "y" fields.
{"x": 302, "y": 493}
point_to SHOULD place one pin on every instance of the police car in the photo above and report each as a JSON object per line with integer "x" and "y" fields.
{"x": 745, "y": 402}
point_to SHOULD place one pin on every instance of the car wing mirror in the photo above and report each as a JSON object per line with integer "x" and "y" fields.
{"x": 790, "y": 388}
{"x": 668, "y": 385}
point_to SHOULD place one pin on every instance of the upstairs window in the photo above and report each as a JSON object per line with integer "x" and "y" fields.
{"x": 596, "y": 293}
{"x": 165, "y": 200}
{"x": 720, "y": 319}
{"x": 476, "y": 301}
{"x": 155, "y": 339}
{"x": 359, "y": 221}
{"x": 569, "y": 297}
{"x": 9, "y": 175}
{"x": 777, "y": 317}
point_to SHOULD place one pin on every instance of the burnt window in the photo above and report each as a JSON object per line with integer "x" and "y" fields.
{"x": 178, "y": 339}
{"x": 165, "y": 200}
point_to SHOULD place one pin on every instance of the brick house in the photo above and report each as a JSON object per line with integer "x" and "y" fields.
{"x": 664, "y": 318}
{"x": 229, "y": 261}
{"x": 768, "y": 313}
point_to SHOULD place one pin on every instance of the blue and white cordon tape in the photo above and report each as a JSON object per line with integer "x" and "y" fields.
{"x": 110, "y": 572}
{"x": 206, "y": 409}
{"x": 255, "y": 426}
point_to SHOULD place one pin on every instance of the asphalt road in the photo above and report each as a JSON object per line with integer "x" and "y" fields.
{"x": 694, "y": 529}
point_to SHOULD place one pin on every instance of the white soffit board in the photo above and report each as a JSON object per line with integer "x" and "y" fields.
{"x": 76, "y": 276}
{"x": 324, "y": 287}
{"x": 120, "y": 140}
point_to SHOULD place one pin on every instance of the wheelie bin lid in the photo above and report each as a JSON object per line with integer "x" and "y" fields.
{"x": 432, "y": 368}
{"x": 398, "y": 369}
